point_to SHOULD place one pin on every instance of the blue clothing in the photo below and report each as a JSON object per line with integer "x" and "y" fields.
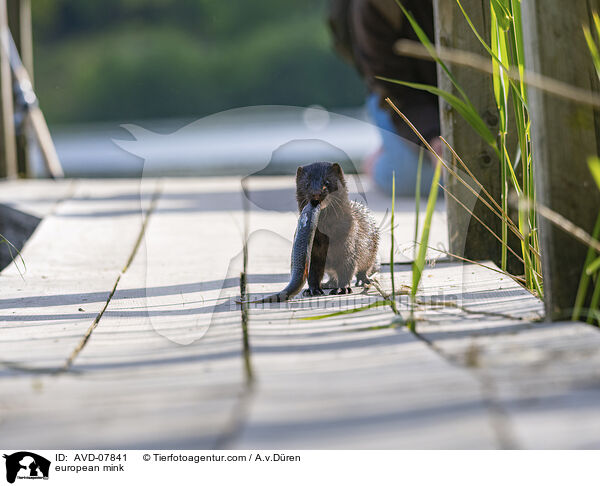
{"x": 397, "y": 155}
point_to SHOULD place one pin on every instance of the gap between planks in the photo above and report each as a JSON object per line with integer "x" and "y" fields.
{"x": 241, "y": 409}
{"x": 153, "y": 202}
{"x": 499, "y": 418}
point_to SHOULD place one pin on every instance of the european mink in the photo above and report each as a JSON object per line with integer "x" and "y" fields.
{"x": 347, "y": 237}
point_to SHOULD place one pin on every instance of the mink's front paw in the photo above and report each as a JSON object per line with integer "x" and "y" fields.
{"x": 343, "y": 290}
{"x": 362, "y": 280}
{"x": 313, "y": 292}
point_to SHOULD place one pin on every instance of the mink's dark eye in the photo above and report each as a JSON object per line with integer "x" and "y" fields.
{"x": 329, "y": 185}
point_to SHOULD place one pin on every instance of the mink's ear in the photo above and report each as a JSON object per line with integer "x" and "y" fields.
{"x": 299, "y": 172}
{"x": 339, "y": 172}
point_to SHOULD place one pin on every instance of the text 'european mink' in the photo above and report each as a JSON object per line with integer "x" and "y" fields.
{"x": 347, "y": 238}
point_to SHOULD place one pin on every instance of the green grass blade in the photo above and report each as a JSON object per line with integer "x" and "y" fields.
{"x": 593, "y": 310}
{"x": 513, "y": 176}
{"x": 521, "y": 122}
{"x": 496, "y": 84}
{"x": 594, "y": 166}
{"x": 484, "y": 43}
{"x": 593, "y": 48}
{"x": 500, "y": 95}
{"x": 379, "y": 303}
{"x": 392, "y": 235}
{"x": 464, "y": 109}
{"x": 596, "y": 18}
{"x": 535, "y": 281}
{"x": 503, "y": 15}
{"x": 411, "y": 319}
{"x": 15, "y": 255}
{"x": 584, "y": 280}
{"x": 418, "y": 199}
{"x": 593, "y": 267}
{"x": 479, "y": 38}
{"x": 518, "y": 44}
{"x": 419, "y": 263}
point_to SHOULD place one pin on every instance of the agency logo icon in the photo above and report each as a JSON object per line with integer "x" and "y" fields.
{"x": 26, "y": 465}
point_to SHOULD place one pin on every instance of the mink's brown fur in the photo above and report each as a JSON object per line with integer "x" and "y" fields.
{"x": 347, "y": 237}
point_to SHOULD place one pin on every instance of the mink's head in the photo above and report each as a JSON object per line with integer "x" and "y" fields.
{"x": 321, "y": 183}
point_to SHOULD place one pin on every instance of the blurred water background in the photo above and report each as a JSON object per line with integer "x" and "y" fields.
{"x": 255, "y": 74}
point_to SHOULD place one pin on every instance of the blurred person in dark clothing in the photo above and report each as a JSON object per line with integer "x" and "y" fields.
{"x": 364, "y": 33}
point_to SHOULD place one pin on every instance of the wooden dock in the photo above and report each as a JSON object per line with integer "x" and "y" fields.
{"x": 123, "y": 332}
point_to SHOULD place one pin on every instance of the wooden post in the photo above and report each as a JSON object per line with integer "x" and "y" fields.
{"x": 467, "y": 237}
{"x": 8, "y": 157}
{"x": 564, "y": 134}
{"x": 19, "y": 22}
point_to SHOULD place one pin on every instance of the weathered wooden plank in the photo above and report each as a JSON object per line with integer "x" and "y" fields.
{"x": 147, "y": 407}
{"x": 36, "y": 197}
{"x": 372, "y": 389}
{"x": 72, "y": 263}
{"x": 164, "y": 365}
{"x": 541, "y": 378}
{"x": 563, "y": 135}
{"x": 476, "y": 288}
{"x": 22, "y": 208}
{"x": 350, "y": 381}
{"x": 546, "y": 378}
